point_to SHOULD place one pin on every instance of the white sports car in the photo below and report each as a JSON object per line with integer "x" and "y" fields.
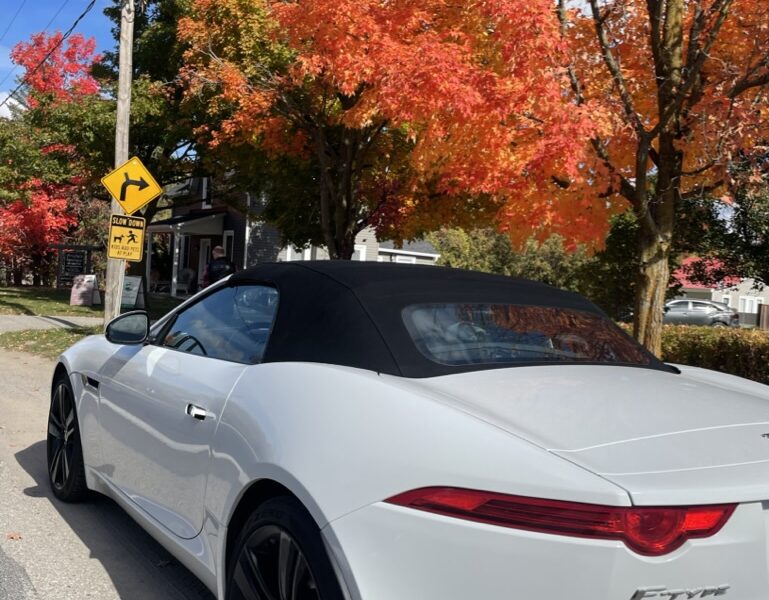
{"x": 331, "y": 430}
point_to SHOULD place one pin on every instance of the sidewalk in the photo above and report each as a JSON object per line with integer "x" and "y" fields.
{"x": 26, "y": 322}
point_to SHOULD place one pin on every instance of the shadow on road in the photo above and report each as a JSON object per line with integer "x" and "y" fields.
{"x": 138, "y": 566}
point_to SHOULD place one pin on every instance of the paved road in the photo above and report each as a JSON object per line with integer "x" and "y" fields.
{"x": 21, "y": 322}
{"x": 51, "y": 550}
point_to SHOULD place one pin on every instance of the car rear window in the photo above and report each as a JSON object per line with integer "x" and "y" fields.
{"x": 457, "y": 334}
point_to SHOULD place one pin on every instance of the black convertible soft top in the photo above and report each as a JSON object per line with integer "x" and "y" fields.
{"x": 350, "y": 313}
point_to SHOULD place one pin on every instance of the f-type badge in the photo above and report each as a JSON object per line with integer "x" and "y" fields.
{"x": 680, "y": 594}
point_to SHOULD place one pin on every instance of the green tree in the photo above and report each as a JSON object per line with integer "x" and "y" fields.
{"x": 492, "y": 252}
{"x": 607, "y": 277}
{"x": 734, "y": 240}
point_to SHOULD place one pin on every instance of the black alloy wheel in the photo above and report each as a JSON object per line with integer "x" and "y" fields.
{"x": 65, "y": 454}
{"x": 280, "y": 555}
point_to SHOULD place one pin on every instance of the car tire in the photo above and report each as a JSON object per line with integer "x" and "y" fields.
{"x": 719, "y": 324}
{"x": 280, "y": 554}
{"x": 64, "y": 451}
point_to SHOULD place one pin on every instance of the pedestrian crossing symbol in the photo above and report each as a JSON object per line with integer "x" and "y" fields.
{"x": 126, "y": 238}
{"x": 132, "y": 186}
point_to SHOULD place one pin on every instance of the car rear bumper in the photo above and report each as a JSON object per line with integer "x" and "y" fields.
{"x": 390, "y": 553}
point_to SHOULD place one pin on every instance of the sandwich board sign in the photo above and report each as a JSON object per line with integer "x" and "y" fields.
{"x": 85, "y": 291}
{"x": 126, "y": 238}
{"x": 132, "y": 186}
{"x": 133, "y": 293}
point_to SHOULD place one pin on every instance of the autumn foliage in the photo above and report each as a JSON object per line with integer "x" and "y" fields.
{"x": 29, "y": 229}
{"x": 417, "y": 113}
{"x": 683, "y": 87}
{"x": 715, "y": 97}
{"x": 66, "y": 73}
{"x": 42, "y": 173}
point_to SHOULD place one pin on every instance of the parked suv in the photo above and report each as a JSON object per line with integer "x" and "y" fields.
{"x": 700, "y": 312}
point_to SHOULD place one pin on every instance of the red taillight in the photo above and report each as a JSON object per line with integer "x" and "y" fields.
{"x": 649, "y": 531}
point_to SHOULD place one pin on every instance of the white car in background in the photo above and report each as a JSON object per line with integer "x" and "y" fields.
{"x": 307, "y": 431}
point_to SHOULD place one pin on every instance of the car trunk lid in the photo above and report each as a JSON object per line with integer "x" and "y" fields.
{"x": 698, "y": 437}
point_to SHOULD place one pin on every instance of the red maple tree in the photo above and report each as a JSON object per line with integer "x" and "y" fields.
{"x": 28, "y": 230}
{"x": 38, "y": 213}
{"x": 65, "y": 75}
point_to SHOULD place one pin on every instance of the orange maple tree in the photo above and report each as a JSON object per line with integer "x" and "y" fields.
{"x": 683, "y": 87}
{"x": 414, "y": 113}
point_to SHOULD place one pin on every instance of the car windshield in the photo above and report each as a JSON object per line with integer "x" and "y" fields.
{"x": 457, "y": 334}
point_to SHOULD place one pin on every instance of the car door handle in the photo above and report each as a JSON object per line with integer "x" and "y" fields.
{"x": 196, "y": 412}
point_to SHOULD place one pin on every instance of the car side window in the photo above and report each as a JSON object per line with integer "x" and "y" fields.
{"x": 679, "y": 307}
{"x": 231, "y": 324}
{"x": 703, "y": 306}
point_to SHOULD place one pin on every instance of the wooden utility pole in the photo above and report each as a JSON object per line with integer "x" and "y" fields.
{"x": 116, "y": 268}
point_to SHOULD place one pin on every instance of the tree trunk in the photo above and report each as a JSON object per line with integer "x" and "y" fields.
{"x": 655, "y": 207}
{"x": 337, "y": 192}
{"x": 651, "y": 287}
{"x": 655, "y": 244}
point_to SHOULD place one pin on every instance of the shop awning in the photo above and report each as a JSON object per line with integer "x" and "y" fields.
{"x": 192, "y": 224}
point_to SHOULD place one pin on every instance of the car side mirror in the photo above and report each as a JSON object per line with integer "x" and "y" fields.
{"x": 666, "y": 309}
{"x": 131, "y": 328}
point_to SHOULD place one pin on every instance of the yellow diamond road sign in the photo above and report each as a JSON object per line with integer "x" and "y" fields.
{"x": 126, "y": 238}
{"x": 132, "y": 186}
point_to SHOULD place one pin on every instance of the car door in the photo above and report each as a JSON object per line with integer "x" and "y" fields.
{"x": 701, "y": 313}
{"x": 160, "y": 404}
{"x": 677, "y": 313}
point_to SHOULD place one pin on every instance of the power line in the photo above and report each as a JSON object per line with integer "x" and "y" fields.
{"x": 13, "y": 20}
{"x": 50, "y": 52}
{"x": 58, "y": 12}
{"x": 50, "y": 22}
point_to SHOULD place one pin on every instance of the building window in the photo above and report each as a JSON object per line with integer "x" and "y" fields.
{"x": 204, "y": 193}
{"x": 408, "y": 260}
{"x": 228, "y": 243}
{"x": 750, "y": 304}
{"x": 726, "y": 299}
{"x": 184, "y": 261}
{"x": 360, "y": 252}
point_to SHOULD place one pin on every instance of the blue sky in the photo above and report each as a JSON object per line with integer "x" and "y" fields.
{"x": 35, "y": 15}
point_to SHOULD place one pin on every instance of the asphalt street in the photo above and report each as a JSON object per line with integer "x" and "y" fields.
{"x": 51, "y": 550}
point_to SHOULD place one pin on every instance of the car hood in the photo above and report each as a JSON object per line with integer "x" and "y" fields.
{"x": 696, "y": 437}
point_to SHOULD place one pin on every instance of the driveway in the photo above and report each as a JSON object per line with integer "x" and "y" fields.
{"x": 51, "y": 550}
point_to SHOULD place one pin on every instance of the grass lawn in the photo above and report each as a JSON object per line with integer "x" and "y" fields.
{"x": 46, "y": 342}
{"x": 52, "y": 302}
{"x": 41, "y": 301}
{"x": 55, "y": 302}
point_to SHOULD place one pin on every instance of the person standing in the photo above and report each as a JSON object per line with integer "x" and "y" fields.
{"x": 219, "y": 267}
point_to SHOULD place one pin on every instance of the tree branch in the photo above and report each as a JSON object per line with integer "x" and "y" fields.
{"x": 747, "y": 83}
{"x": 615, "y": 70}
{"x": 721, "y": 9}
{"x": 627, "y": 190}
{"x": 702, "y": 190}
{"x": 655, "y": 19}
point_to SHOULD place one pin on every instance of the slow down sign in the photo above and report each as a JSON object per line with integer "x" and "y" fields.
{"x": 126, "y": 238}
